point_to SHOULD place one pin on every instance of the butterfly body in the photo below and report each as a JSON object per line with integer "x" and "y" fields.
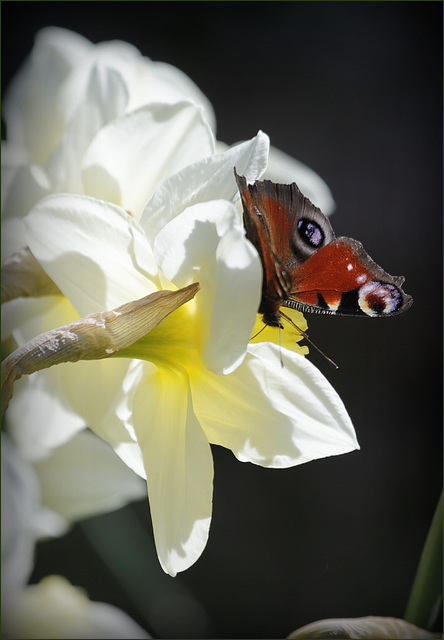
{"x": 306, "y": 267}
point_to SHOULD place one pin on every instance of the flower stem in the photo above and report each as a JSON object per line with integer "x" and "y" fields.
{"x": 426, "y": 595}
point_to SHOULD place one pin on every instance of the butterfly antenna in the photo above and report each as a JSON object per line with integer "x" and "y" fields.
{"x": 256, "y": 334}
{"x": 288, "y": 319}
{"x": 280, "y": 347}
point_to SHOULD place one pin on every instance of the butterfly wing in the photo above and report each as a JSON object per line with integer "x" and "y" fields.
{"x": 305, "y": 266}
{"x": 341, "y": 278}
{"x": 294, "y": 227}
{"x": 272, "y": 213}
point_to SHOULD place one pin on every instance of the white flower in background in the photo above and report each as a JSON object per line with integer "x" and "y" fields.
{"x": 54, "y": 608}
{"x": 65, "y": 93}
{"x": 35, "y": 507}
{"x": 24, "y": 519}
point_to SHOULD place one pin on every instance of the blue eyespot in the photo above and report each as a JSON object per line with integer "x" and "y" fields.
{"x": 311, "y": 232}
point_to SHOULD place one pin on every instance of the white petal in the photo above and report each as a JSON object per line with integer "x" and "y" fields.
{"x": 131, "y": 156}
{"x": 285, "y": 169}
{"x": 13, "y": 236}
{"x": 20, "y": 504}
{"x": 90, "y": 478}
{"x": 38, "y": 417}
{"x": 49, "y": 407}
{"x": 273, "y": 415}
{"x": 33, "y": 104}
{"x": 94, "y": 251}
{"x": 105, "y": 98}
{"x": 206, "y": 243}
{"x": 127, "y": 60}
{"x": 128, "y": 449}
{"x": 71, "y": 47}
{"x": 209, "y": 179}
{"x": 230, "y": 301}
{"x": 12, "y": 158}
{"x": 53, "y": 608}
{"x": 22, "y": 517}
{"x": 178, "y": 465}
{"x": 13, "y": 103}
{"x": 168, "y": 82}
{"x": 150, "y": 81}
{"x": 76, "y": 55}
{"x": 186, "y": 243}
{"x": 26, "y": 318}
{"x": 93, "y": 389}
{"x": 118, "y": 53}
{"x": 28, "y": 186}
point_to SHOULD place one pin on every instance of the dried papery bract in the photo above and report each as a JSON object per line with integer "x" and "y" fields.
{"x": 367, "y": 627}
{"x": 93, "y": 337}
{"x": 22, "y": 276}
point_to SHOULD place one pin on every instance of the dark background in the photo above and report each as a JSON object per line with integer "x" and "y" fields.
{"x": 354, "y": 90}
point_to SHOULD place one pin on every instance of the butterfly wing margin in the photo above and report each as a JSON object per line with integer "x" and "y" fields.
{"x": 280, "y": 207}
{"x": 275, "y": 283}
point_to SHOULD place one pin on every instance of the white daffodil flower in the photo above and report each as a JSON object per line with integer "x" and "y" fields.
{"x": 24, "y": 520}
{"x": 35, "y": 507}
{"x": 152, "y": 207}
{"x": 65, "y": 93}
{"x": 194, "y": 379}
{"x": 26, "y": 318}
{"x": 54, "y": 608}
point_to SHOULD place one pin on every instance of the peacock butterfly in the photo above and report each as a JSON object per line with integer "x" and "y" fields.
{"x": 306, "y": 267}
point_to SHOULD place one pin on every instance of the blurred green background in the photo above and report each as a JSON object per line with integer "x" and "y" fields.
{"x": 354, "y": 90}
